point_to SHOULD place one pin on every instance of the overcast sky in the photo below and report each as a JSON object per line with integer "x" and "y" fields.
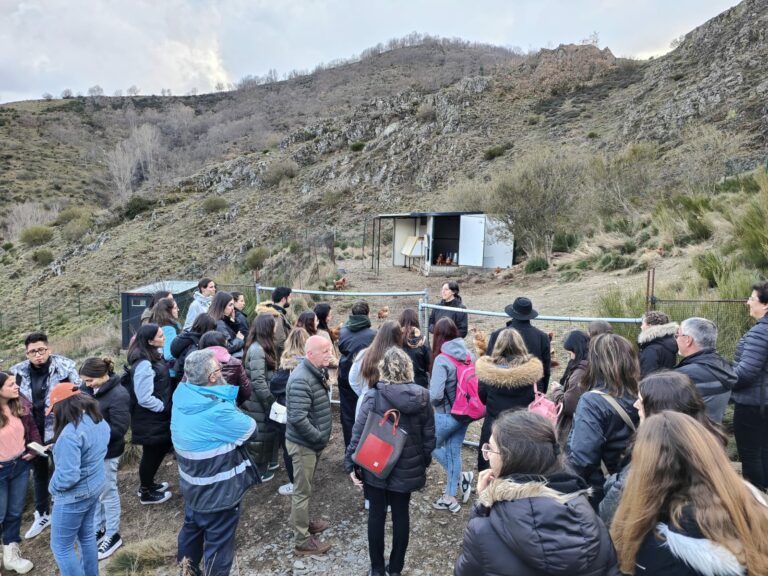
{"x": 181, "y": 45}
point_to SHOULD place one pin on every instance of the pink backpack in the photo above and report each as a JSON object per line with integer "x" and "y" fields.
{"x": 467, "y": 407}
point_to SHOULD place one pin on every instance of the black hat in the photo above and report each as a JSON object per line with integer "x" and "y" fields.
{"x": 521, "y": 309}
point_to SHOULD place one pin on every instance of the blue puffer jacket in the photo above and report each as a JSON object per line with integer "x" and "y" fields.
{"x": 208, "y": 433}
{"x": 78, "y": 455}
{"x": 751, "y": 366}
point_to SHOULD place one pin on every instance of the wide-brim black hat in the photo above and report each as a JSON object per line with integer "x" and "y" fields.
{"x": 521, "y": 309}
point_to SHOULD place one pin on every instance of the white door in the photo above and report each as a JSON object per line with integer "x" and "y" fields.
{"x": 471, "y": 240}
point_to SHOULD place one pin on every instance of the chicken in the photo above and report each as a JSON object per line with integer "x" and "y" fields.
{"x": 383, "y": 314}
{"x": 335, "y": 332}
{"x": 553, "y": 363}
{"x": 481, "y": 341}
{"x": 341, "y": 283}
{"x": 497, "y": 271}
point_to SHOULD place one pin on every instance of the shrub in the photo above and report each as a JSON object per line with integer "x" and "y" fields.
{"x": 628, "y": 247}
{"x": 357, "y": 146}
{"x": 73, "y": 213}
{"x": 426, "y": 113}
{"x": 8, "y": 246}
{"x": 496, "y": 151}
{"x": 136, "y": 205}
{"x": 536, "y": 265}
{"x": 277, "y": 171}
{"x": 569, "y": 275}
{"x": 613, "y": 261}
{"x": 564, "y": 242}
{"x": 593, "y": 135}
{"x": 42, "y": 257}
{"x": 214, "y": 204}
{"x": 294, "y": 247}
{"x": 255, "y": 258}
{"x": 36, "y": 235}
{"x": 76, "y": 229}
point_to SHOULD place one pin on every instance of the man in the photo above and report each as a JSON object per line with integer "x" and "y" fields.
{"x": 36, "y": 377}
{"x": 278, "y": 307}
{"x": 201, "y": 300}
{"x": 307, "y": 433}
{"x": 355, "y": 335}
{"x": 712, "y": 374}
{"x": 208, "y": 432}
{"x": 521, "y": 311}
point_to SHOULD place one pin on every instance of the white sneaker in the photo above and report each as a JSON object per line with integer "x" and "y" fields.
{"x": 12, "y": 559}
{"x": 40, "y": 523}
{"x": 286, "y": 489}
{"x": 466, "y": 485}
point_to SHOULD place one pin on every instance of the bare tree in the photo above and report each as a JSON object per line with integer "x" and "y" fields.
{"x": 66, "y": 93}
{"x": 47, "y": 96}
{"x": 118, "y": 93}
{"x": 95, "y": 91}
{"x": 121, "y": 161}
{"x": 133, "y": 90}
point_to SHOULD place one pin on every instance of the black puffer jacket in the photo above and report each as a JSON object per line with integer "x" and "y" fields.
{"x": 522, "y": 526}
{"x": 182, "y": 346}
{"x": 459, "y": 318}
{"x": 259, "y": 404}
{"x": 417, "y": 418}
{"x": 229, "y": 328}
{"x": 115, "y": 405}
{"x": 355, "y": 335}
{"x": 713, "y": 376}
{"x": 658, "y": 349}
{"x": 421, "y": 358}
{"x": 308, "y": 407}
{"x": 750, "y": 365}
{"x": 535, "y": 340}
{"x": 147, "y": 427}
{"x": 598, "y": 435}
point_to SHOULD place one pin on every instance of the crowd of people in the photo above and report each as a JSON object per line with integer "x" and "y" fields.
{"x": 629, "y": 476}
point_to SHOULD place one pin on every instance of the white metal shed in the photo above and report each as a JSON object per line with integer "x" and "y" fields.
{"x": 445, "y": 242}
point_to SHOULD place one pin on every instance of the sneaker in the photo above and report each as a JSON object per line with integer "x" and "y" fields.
{"x": 100, "y": 533}
{"x": 153, "y": 496}
{"x": 312, "y": 547}
{"x": 273, "y": 466}
{"x": 286, "y": 489}
{"x": 40, "y": 523}
{"x": 318, "y": 526}
{"x": 466, "y": 485}
{"x": 109, "y": 545}
{"x": 162, "y": 487}
{"x": 443, "y": 504}
{"x": 267, "y": 476}
{"x": 367, "y": 504}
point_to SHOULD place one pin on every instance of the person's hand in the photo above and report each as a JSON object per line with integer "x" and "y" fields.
{"x": 555, "y": 386}
{"x": 355, "y": 480}
{"x": 27, "y": 457}
{"x": 240, "y": 335}
{"x": 484, "y": 479}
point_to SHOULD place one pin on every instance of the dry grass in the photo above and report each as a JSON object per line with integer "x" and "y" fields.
{"x": 143, "y": 557}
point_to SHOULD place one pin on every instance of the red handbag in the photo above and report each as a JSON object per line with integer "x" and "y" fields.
{"x": 381, "y": 443}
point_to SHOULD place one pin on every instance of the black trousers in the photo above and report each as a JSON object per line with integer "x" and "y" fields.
{"x": 750, "y": 428}
{"x": 379, "y": 498}
{"x": 348, "y": 401}
{"x": 42, "y": 470}
{"x": 280, "y": 430}
{"x": 151, "y": 457}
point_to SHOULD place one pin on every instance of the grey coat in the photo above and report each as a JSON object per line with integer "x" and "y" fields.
{"x": 442, "y": 384}
{"x": 714, "y": 377}
{"x": 259, "y": 404}
{"x": 308, "y": 406}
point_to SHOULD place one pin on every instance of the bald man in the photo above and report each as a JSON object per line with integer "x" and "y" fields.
{"x": 307, "y": 432}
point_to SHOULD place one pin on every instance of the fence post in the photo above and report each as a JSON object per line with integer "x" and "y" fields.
{"x": 78, "y": 305}
{"x": 425, "y": 325}
{"x": 40, "y": 313}
{"x": 258, "y": 297}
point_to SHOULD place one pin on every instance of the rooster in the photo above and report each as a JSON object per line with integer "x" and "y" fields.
{"x": 497, "y": 271}
{"x": 341, "y": 283}
{"x": 481, "y": 342}
{"x": 552, "y": 363}
{"x": 383, "y": 314}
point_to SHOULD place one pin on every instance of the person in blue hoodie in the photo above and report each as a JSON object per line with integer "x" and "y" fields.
{"x": 81, "y": 438}
{"x": 208, "y": 433}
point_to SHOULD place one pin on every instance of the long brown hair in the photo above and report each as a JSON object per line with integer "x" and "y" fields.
{"x": 262, "y": 332}
{"x": 409, "y": 322}
{"x": 306, "y": 320}
{"x": 71, "y": 410}
{"x": 613, "y": 363}
{"x": 510, "y": 349}
{"x": 445, "y": 331}
{"x": 14, "y": 405}
{"x": 390, "y": 334}
{"x": 676, "y": 463}
{"x": 162, "y": 314}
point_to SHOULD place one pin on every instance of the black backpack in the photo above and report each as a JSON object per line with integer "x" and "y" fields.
{"x": 126, "y": 380}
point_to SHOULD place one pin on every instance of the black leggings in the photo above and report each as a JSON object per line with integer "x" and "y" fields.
{"x": 151, "y": 457}
{"x": 750, "y": 427}
{"x": 379, "y": 498}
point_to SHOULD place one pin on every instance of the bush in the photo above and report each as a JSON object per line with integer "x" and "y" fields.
{"x": 277, "y": 171}
{"x": 569, "y": 275}
{"x": 42, "y": 257}
{"x": 628, "y": 247}
{"x": 214, "y": 204}
{"x": 76, "y": 229}
{"x": 496, "y": 151}
{"x": 36, "y": 235}
{"x": 294, "y": 247}
{"x": 255, "y": 258}
{"x": 426, "y": 113}
{"x": 536, "y": 265}
{"x": 136, "y": 205}
{"x": 8, "y": 246}
{"x": 613, "y": 261}
{"x": 357, "y": 146}
{"x": 593, "y": 135}
{"x": 73, "y": 213}
{"x": 564, "y": 242}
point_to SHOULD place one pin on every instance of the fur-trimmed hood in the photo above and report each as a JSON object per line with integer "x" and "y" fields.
{"x": 657, "y": 331}
{"x": 702, "y": 555}
{"x": 266, "y": 307}
{"x": 290, "y": 362}
{"x": 507, "y": 490}
{"x": 503, "y": 376}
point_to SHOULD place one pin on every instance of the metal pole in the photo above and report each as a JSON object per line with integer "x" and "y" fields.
{"x": 258, "y": 292}
{"x": 365, "y": 223}
{"x": 78, "y": 305}
{"x": 373, "y": 241}
{"x": 425, "y": 316}
{"x": 40, "y": 313}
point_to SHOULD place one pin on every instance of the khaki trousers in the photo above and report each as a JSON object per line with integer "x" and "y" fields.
{"x": 304, "y": 463}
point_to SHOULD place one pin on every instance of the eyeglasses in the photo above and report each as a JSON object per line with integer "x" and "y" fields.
{"x": 37, "y": 352}
{"x": 217, "y": 370}
{"x": 680, "y": 334}
{"x": 486, "y": 449}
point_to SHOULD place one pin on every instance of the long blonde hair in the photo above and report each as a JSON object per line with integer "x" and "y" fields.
{"x": 294, "y": 344}
{"x": 677, "y": 462}
{"x": 510, "y": 349}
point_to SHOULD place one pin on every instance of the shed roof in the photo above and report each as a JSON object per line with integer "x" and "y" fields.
{"x": 173, "y": 286}
{"x": 423, "y": 214}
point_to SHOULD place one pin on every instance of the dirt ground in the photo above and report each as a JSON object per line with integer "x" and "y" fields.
{"x": 264, "y": 538}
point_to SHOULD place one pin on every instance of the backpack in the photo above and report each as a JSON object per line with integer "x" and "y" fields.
{"x": 467, "y": 406}
{"x": 126, "y": 380}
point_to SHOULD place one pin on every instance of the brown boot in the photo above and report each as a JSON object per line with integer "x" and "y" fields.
{"x": 312, "y": 547}
{"x": 318, "y": 526}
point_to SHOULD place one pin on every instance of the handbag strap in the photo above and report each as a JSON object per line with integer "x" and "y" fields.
{"x": 618, "y": 409}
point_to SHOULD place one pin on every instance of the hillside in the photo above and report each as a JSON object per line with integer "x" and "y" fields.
{"x": 300, "y": 159}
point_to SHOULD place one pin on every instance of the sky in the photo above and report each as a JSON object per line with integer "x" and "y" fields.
{"x": 47, "y": 46}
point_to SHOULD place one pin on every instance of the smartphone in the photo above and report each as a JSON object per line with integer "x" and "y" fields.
{"x": 38, "y": 448}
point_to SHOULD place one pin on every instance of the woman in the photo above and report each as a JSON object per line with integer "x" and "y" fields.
{"x": 240, "y": 318}
{"x": 394, "y": 390}
{"x": 101, "y": 382}
{"x": 166, "y": 315}
{"x": 505, "y": 381}
{"x": 685, "y": 511}
{"x": 449, "y": 294}
{"x": 156, "y": 297}
{"x": 307, "y": 320}
{"x": 447, "y": 344}
{"x": 532, "y": 516}
{"x": 292, "y": 355}
{"x": 414, "y": 344}
{"x": 150, "y": 409}
{"x": 260, "y": 365}
{"x": 223, "y": 311}
{"x": 17, "y": 430}
{"x": 605, "y": 417}
{"x": 201, "y": 300}
{"x": 364, "y": 373}
{"x": 232, "y": 369}
{"x": 750, "y": 393}
{"x": 81, "y": 437}
{"x": 189, "y": 340}
{"x": 324, "y": 318}
{"x": 658, "y": 349}
{"x": 665, "y": 390}
{"x": 571, "y": 386}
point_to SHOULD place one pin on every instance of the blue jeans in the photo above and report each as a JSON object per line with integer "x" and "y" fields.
{"x": 449, "y": 434}
{"x": 70, "y": 523}
{"x": 108, "y": 513}
{"x": 14, "y": 476}
{"x": 212, "y": 534}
